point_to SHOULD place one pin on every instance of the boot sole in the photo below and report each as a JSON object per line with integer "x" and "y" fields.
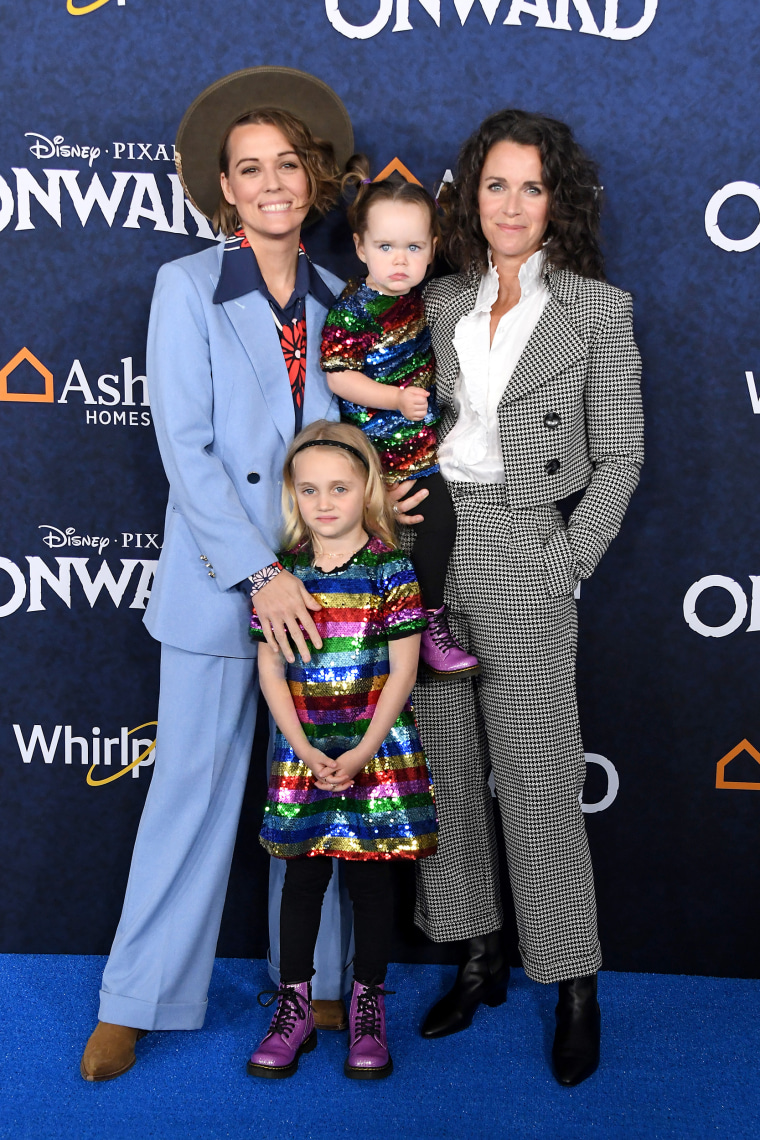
{"x": 569, "y": 1082}
{"x": 454, "y": 675}
{"x": 279, "y": 1072}
{"x": 360, "y": 1074}
{"x": 96, "y": 1077}
{"x": 105, "y": 1076}
{"x": 495, "y": 997}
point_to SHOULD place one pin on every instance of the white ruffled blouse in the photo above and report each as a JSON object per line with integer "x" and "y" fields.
{"x": 471, "y": 452}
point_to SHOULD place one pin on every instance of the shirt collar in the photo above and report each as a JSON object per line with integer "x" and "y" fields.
{"x": 530, "y": 276}
{"x": 241, "y": 274}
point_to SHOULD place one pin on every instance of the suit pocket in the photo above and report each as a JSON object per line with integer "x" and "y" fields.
{"x": 560, "y": 567}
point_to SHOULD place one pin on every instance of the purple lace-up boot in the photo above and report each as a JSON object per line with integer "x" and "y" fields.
{"x": 291, "y": 1032}
{"x": 368, "y": 1057}
{"x": 440, "y": 653}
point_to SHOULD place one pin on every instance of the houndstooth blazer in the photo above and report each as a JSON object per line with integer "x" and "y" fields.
{"x": 571, "y": 414}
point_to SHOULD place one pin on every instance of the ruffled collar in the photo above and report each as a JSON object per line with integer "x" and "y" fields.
{"x": 531, "y": 278}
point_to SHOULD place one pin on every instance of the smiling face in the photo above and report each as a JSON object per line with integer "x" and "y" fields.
{"x": 266, "y": 181}
{"x": 330, "y": 493}
{"x": 513, "y": 202}
{"x": 397, "y": 246}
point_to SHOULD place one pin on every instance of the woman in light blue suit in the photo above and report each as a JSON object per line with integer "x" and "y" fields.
{"x": 233, "y": 369}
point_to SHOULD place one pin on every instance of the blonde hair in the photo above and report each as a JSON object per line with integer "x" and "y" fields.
{"x": 378, "y": 518}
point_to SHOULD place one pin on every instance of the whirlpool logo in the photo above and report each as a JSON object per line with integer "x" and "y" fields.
{"x": 116, "y": 754}
{"x": 84, "y": 8}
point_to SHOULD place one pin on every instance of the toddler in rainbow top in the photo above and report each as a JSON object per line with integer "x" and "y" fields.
{"x": 377, "y": 354}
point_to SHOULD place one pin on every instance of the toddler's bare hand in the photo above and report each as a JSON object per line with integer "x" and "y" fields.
{"x": 413, "y": 403}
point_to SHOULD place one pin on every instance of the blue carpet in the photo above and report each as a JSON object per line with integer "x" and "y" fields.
{"x": 681, "y": 1058}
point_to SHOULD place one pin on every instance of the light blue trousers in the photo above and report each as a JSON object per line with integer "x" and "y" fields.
{"x": 158, "y": 972}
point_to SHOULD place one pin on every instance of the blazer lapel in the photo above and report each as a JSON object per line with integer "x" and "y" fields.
{"x": 553, "y": 346}
{"x": 253, "y": 322}
{"x": 447, "y": 360}
{"x": 317, "y": 395}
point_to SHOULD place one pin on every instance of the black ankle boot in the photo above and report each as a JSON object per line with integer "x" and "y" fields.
{"x": 575, "y": 1053}
{"x": 482, "y": 977}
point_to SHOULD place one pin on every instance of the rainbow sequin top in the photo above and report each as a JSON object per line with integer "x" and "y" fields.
{"x": 386, "y": 338}
{"x": 389, "y": 812}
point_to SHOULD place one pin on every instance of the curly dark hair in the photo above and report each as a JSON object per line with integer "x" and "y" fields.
{"x": 317, "y": 155}
{"x": 570, "y": 176}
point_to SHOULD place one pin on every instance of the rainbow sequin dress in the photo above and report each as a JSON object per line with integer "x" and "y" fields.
{"x": 386, "y": 338}
{"x": 389, "y": 812}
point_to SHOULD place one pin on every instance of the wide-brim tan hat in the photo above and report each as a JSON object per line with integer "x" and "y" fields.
{"x": 207, "y": 120}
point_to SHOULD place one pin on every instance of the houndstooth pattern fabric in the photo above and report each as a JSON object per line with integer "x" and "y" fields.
{"x": 518, "y": 719}
{"x": 569, "y": 418}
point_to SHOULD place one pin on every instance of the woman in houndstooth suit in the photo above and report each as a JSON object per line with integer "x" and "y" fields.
{"x": 538, "y": 382}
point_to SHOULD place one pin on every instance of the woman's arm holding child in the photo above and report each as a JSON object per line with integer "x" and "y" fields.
{"x": 359, "y": 389}
{"x": 403, "y": 654}
{"x": 274, "y": 686}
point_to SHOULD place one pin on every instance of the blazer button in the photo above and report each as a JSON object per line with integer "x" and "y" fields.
{"x": 552, "y": 466}
{"x": 253, "y": 476}
{"x": 211, "y": 574}
{"x": 552, "y": 420}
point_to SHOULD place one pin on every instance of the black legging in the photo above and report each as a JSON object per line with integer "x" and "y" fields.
{"x": 370, "y": 887}
{"x": 435, "y": 538}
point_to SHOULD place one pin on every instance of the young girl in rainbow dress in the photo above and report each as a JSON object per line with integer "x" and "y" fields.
{"x": 378, "y": 358}
{"x": 349, "y": 778}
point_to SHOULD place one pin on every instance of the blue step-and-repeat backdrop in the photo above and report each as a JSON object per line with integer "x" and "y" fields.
{"x": 663, "y": 94}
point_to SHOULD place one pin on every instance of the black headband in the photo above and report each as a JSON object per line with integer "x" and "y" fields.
{"x": 332, "y": 443}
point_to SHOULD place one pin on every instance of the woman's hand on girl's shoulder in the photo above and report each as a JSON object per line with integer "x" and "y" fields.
{"x": 283, "y": 607}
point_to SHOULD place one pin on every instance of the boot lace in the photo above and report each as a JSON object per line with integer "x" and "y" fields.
{"x": 438, "y": 628}
{"x": 368, "y": 1021}
{"x": 291, "y": 1007}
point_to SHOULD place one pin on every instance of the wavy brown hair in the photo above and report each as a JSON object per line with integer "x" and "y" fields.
{"x": 388, "y": 190}
{"x": 317, "y": 155}
{"x": 569, "y": 175}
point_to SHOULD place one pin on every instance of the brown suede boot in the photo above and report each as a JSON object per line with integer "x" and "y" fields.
{"x": 109, "y": 1052}
{"x": 329, "y": 1014}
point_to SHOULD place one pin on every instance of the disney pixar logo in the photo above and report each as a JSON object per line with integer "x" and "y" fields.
{"x": 74, "y": 9}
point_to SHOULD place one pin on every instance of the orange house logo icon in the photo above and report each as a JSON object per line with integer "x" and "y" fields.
{"x": 44, "y": 397}
{"x": 396, "y": 166}
{"x": 721, "y": 781}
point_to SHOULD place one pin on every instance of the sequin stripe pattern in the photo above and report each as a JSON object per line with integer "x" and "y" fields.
{"x": 389, "y": 812}
{"x": 386, "y": 338}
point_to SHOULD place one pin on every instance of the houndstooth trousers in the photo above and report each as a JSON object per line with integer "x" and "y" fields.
{"x": 519, "y": 720}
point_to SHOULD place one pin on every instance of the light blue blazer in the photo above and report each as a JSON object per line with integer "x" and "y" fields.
{"x": 223, "y": 412}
